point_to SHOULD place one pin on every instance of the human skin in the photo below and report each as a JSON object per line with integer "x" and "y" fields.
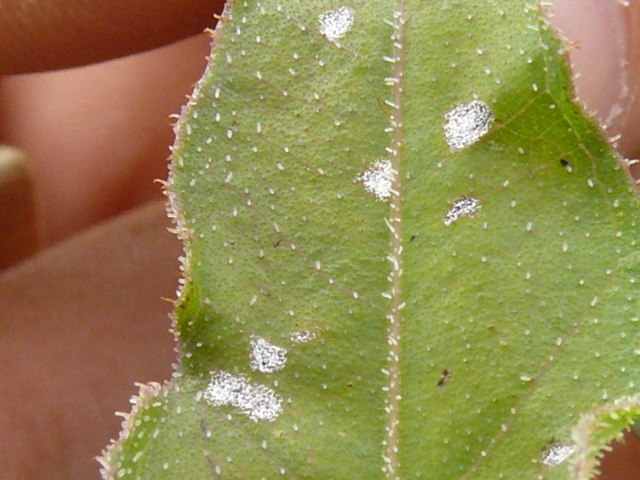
{"x": 84, "y": 319}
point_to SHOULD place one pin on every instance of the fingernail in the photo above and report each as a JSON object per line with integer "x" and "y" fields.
{"x": 18, "y": 237}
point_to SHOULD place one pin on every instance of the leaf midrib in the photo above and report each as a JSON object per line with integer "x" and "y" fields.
{"x": 391, "y": 458}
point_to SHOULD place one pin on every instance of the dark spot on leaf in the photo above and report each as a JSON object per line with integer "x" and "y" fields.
{"x": 203, "y": 427}
{"x": 413, "y": 237}
{"x": 564, "y": 163}
{"x": 548, "y": 445}
{"x": 443, "y": 377}
{"x": 277, "y": 244}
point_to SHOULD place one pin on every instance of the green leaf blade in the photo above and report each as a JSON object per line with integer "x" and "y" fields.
{"x": 515, "y": 319}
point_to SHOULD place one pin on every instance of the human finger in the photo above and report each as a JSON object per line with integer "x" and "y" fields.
{"x": 604, "y": 43}
{"x": 79, "y": 324}
{"x": 43, "y": 35}
{"x": 97, "y": 137}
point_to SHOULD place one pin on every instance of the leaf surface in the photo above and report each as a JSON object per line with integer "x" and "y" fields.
{"x": 402, "y": 196}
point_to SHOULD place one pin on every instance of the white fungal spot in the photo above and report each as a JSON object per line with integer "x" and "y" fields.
{"x": 378, "y": 179}
{"x": 258, "y": 402}
{"x": 466, "y": 124}
{"x": 301, "y": 336}
{"x": 266, "y": 357}
{"x": 464, "y": 206}
{"x": 558, "y": 454}
{"x": 335, "y": 23}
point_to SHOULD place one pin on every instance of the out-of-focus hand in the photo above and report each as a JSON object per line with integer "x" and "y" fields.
{"x": 83, "y": 320}
{"x": 96, "y": 136}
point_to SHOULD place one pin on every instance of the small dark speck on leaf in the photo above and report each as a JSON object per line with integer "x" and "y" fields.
{"x": 443, "y": 377}
{"x": 203, "y": 427}
{"x": 564, "y": 163}
{"x": 277, "y": 244}
{"x": 548, "y": 444}
{"x": 413, "y": 237}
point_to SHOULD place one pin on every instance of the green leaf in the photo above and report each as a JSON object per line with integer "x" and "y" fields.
{"x": 597, "y": 428}
{"x": 408, "y": 254}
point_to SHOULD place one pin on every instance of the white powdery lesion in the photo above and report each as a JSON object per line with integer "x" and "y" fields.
{"x": 558, "y": 454}
{"x": 378, "y": 179}
{"x": 466, "y": 124}
{"x": 266, "y": 357}
{"x": 336, "y": 24}
{"x": 258, "y": 402}
{"x": 462, "y": 207}
{"x": 301, "y": 336}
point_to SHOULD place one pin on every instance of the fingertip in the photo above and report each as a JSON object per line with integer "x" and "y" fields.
{"x": 96, "y": 137}
{"x": 48, "y": 35}
{"x": 601, "y": 43}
